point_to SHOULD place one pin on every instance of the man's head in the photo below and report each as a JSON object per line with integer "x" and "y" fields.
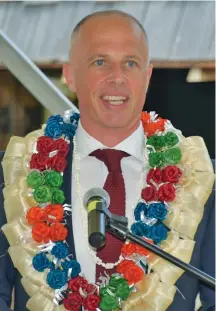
{"x": 109, "y": 70}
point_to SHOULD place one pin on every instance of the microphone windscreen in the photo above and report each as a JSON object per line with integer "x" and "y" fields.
{"x": 96, "y": 193}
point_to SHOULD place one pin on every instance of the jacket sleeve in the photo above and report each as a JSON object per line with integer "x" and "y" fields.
{"x": 7, "y": 270}
{"x": 207, "y": 294}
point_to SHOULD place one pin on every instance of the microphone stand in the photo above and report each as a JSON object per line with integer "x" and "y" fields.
{"x": 117, "y": 226}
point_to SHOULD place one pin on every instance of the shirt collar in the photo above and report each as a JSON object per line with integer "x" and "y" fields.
{"x": 133, "y": 145}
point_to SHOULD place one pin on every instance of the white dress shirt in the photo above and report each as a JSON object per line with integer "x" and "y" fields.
{"x": 93, "y": 173}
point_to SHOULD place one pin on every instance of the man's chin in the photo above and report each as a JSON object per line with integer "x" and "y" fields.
{"x": 115, "y": 125}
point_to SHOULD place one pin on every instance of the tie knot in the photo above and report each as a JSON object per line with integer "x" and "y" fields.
{"x": 110, "y": 157}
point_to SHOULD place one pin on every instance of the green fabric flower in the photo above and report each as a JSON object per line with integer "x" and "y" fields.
{"x": 109, "y": 303}
{"x": 115, "y": 280}
{"x": 57, "y": 196}
{"x": 42, "y": 194}
{"x": 53, "y": 179}
{"x": 156, "y": 159}
{"x": 123, "y": 290}
{"x": 172, "y": 155}
{"x": 156, "y": 141}
{"x": 107, "y": 291}
{"x": 35, "y": 179}
{"x": 150, "y": 149}
{"x": 170, "y": 139}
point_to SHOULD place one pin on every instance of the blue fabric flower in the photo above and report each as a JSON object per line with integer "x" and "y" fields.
{"x": 66, "y": 264}
{"x": 40, "y": 262}
{"x": 141, "y": 229}
{"x": 57, "y": 278}
{"x": 158, "y": 233}
{"x": 75, "y": 117}
{"x": 69, "y": 130}
{"x": 156, "y": 210}
{"x": 57, "y": 118}
{"x": 54, "y": 126}
{"x": 60, "y": 250}
{"x": 76, "y": 269}
{"x": 140, "y": 208}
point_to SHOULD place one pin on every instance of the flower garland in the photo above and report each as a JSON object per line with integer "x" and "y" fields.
{"x": 45, "y": 178}
{"x": 47, "y": 166}
{"x": 161, "y": 183}
{"x": 164, "y": 178}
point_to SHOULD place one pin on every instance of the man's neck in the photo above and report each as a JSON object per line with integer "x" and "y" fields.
{"x": 109, "y": 137}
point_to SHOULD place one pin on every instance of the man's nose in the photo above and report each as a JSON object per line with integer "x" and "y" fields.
{"x": 117, "y": 75}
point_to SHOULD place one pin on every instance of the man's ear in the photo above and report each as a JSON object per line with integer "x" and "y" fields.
{"x": 68, "y": 76}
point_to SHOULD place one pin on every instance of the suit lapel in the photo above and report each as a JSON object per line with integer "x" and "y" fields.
{"x": 67, "y": 186}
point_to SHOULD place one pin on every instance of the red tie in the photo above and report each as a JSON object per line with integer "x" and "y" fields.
{"x": 115, "y": 186}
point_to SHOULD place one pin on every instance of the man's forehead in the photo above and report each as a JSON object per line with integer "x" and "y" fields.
{"x": 114, "y": 30}
{"x": 107, "y": 25}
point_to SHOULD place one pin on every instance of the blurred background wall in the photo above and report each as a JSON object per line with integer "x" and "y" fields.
{"x": 182, "y": 47}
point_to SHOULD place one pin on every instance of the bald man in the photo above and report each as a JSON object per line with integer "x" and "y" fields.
{"x": 109, "y": 56}
{"x": 110, "y": 69}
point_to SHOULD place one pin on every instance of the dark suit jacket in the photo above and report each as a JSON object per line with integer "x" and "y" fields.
{"x": 203, "y": 258}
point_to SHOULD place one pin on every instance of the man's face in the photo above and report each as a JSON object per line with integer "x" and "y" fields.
{"x": 109, "y": 71}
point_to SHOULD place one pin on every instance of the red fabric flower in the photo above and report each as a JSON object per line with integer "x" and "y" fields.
{"x": 54, "y": 212}
{"x": 39, "y": 161}
{"x": 149, "y": 193}
{"x": 41, "y": 232}
{"x": 166, "y": 193}
{"x": 58, "y": 232}
{"x": 73, "y": 302}
{"x": 155, "y": 175}
{"x": 123, "y": 265}
{"x": 128, "y": 249}
{"x": 35, "y": 215}
{"x": 76, "y": 283}
{"x": 44, "y": 144}
{"x": 171, "y": 174}
{"x": 150, "y": 127}
{"x": 142, "y": 250}
{"x": 61, "y": 146}
{"x": 91, "y": 303}
{"x": 131, "y": 272}
{"x": 91, "y": 288}
{"x": 57, "y": 163}
{"x": 145, "y": 117}
{"x": 131, "y": 248}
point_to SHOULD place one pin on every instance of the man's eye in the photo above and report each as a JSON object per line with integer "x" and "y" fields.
{"x": 99, "y": 62}
{"x": 131, "y": 63}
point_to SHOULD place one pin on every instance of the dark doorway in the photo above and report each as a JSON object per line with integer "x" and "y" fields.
{"x": 189, "y": 106}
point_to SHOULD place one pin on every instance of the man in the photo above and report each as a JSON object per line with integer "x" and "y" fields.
{"x": 110, "y": 70}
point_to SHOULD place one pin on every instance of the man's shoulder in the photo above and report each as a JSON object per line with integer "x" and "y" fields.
{"x": 1, "y": 179}
{"x": 1, "y": 158}
{"x": 1, "y": 155}
{"x": 1, "y": 171}
{"x": 2, "y": 215}
{"x": 213, "y": 163}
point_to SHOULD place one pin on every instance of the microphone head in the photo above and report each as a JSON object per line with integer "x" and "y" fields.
{"x": 96, "y": 193}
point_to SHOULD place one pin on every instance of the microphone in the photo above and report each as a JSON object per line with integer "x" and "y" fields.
{"x": 96, "y": 219}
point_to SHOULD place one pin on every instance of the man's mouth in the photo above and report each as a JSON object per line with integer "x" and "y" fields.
{"x": 115, "y": 100}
